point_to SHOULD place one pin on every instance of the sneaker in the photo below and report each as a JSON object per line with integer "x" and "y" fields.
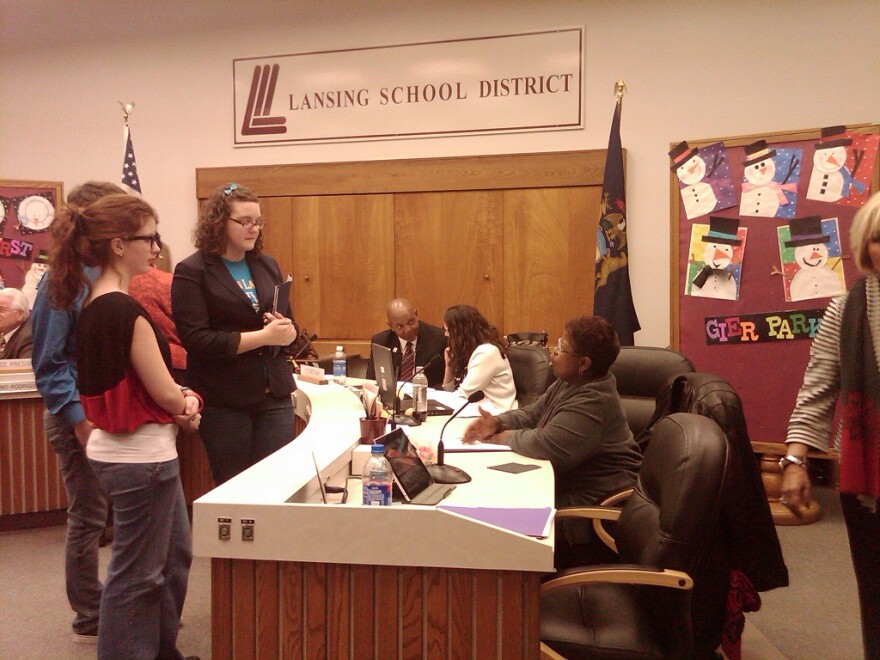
{"x": 85, "y": 638}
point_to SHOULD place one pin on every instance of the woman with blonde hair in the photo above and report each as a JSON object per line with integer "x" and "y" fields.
{"x": 844, "y": 362}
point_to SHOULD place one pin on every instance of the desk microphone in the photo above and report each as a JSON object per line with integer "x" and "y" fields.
{"x": 408, "y": 420}
{"x": 448, "y": 474}
{"x": 305, "y": 346}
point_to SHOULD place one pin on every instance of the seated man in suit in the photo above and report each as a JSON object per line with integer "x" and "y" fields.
{"x": 15, "y": 325}
{"x": 407, "y": 334}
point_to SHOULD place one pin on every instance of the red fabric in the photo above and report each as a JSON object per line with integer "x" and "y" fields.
{"x": 741, "y": 597}
{"x": 153, "y": 291}
{"x": 859, "y": 454}
{"x": 124, "y": 407}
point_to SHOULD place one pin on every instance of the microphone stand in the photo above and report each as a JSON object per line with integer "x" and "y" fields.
{"x": 449, "y": 474}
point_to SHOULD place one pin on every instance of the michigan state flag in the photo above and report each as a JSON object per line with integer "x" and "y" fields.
{"x": 613, "y": 294}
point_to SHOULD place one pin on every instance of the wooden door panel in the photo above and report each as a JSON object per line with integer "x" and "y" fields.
{"x": 356, "y": 270}
{"x": 549, "y": 262}
{"x": 449, "y": 251}
{"x": 305, "y": 262}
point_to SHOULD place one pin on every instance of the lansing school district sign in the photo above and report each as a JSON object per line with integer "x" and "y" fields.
{"x": 499, "y": 84}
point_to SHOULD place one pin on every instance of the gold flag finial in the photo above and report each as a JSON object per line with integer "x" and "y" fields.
{"x": 126, "y": 109}
{"x": 619, "y": 89}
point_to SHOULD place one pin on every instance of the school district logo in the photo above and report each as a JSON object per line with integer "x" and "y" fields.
{"x": 257, "y": 116}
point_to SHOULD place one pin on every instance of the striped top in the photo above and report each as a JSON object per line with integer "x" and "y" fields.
{"x": 810, "y": 422}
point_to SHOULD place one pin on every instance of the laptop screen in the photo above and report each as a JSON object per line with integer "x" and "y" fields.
{"x": 386, "y": 377}
{"x": 410, "y": 473}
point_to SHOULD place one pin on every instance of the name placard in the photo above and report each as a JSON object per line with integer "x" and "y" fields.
{"x": 497, "y": 84}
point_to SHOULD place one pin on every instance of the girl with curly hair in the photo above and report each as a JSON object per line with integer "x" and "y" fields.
{"x": 476, "y": 358}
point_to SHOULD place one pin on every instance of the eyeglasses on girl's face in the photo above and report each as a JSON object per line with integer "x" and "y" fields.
{"x": 153, "y": 240}
{"x": 248, "y": 223}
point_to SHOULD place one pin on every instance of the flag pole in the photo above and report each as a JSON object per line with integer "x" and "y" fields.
{"x": 130, "y": 179}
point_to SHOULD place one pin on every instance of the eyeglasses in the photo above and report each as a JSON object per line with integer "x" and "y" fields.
{"x": 247, "y": 223}
{"x": 556, "y": 350}
{"x": 155, "y": 239}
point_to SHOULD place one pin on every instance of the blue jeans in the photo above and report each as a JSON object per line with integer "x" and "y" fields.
{"x": 86, "y": 517}
{"x": 236, "y": 438}
{"x": 150, "y": 560}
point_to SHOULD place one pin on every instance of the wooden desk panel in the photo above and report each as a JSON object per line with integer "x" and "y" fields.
{"x": 30, "y": 481}
{"x": 308, "y": 610}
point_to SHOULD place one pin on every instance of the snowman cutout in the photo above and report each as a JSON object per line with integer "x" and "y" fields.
{"x": 762, "y": 195}
{"x": 814, "y": 279}
{"x": 715, "y": 279}
{"x": 831, "y": 180}
{"x": 697, "y": 196}
{"x": 32, "y": 278}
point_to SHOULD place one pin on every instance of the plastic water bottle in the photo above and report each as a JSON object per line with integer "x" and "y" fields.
{"x": 420, "y": 395}
{"x": 339, "y": 366}
{"x": 376, "y": 478}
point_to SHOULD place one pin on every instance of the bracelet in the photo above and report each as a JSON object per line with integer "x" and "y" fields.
{"x": 186, "y": 391}
{"x": 792, "y": 460}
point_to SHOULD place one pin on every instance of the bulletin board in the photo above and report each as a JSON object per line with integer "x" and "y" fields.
{"x": 760, "y": 339}
{"x": 27, "y": 209}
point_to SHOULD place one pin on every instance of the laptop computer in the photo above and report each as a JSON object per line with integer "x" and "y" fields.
{"x": 386, "y": 379}
{"x": 410, "y": 474}
{"x": 435, "y": 408}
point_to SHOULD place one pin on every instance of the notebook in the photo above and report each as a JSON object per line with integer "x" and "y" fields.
{"x": 410, "y": 474}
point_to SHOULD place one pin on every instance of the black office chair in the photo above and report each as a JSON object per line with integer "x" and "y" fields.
{"x": 642, "y": 607}
{"x": 532, "y": 375}
{"x": 749, "y": 542}
{"x": 641, "y": 373}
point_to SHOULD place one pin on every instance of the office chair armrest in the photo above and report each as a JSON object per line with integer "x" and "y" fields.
{"x": 600, "y": 529}
{"x": 617, "y": 498}
{"x": 622, "y": 574}
{"x": 549, "y": 654}
{"x": 597, "y": 514}
{"x": 590, "y": 512}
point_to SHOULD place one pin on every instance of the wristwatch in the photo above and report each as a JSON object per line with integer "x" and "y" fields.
{"x": 792, "y": 460}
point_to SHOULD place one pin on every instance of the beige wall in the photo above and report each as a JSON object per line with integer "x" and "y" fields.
{"x": 694, "y": 70}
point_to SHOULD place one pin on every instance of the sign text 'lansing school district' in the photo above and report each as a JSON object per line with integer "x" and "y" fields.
{"x": 498, "y": 84}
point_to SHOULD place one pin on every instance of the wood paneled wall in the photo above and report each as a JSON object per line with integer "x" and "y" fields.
{"x": 512, "y": 235}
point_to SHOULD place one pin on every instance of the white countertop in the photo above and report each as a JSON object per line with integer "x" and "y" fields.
{"x": 280, "y": 494}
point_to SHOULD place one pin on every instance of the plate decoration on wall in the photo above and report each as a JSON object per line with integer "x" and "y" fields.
{"x": 35, "y": 213}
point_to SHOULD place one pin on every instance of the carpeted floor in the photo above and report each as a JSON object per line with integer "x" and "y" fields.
{"x": 816, "y": 617}
{"x": 35, "y": 617}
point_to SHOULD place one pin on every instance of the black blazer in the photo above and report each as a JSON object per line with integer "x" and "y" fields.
{"x": 211, "y": 311}
{"x": 431, "y": 342}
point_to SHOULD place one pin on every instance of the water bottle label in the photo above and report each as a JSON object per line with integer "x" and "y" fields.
{"x": 339, "y": 367}
{"x": 377, "y": 493}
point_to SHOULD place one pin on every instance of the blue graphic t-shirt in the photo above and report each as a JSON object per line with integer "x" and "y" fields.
{"x": 241, "y": 273}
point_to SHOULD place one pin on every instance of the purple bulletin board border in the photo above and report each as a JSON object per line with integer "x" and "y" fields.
{"x": 767, "y": 375}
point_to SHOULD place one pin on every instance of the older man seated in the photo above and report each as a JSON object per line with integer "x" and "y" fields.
{"x": 579, "y": 426}
{"x": 15, "y": 325}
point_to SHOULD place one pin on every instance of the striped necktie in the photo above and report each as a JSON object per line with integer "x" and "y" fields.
{"x": 408, "y": 364}
{"x": 2, "y": 345}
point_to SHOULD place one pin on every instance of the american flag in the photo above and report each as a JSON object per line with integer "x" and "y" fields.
{"x": 130, "y": 178}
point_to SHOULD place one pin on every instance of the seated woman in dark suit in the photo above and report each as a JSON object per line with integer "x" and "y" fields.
{"x": 221, "y": 299}
{"x": 579, "y": 426}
